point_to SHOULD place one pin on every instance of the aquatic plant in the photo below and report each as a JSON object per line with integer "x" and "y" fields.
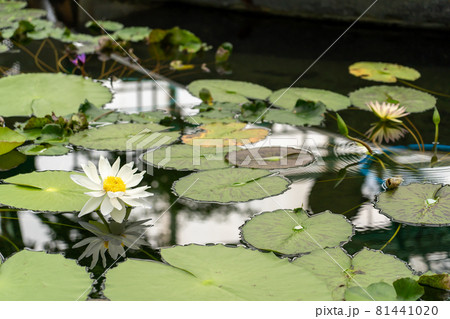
{"x": 388, "y": 111}
{"x": 113, "y": 191}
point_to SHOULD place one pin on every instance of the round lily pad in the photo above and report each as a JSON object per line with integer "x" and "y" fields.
{"x": 230, "y": 91}
{"x": 230, "y": 134}
{"x": 124, "y": 137}
{"x": 134, "y": 34}
{"x": 38, "y": 276}
{"x": 341, "y": 271}
{"x": 9, "y": 140}
{"x": 11, "y": 160}
{"x": 297, "y": 119}
{"x": 417, "y": 204}
{"x": 216, "y": 113}
{"x": 44, "y": 149}
{"x": 213, "y": 273}
{"x": 230, "y": 185}
{"x": 288, "y": 99}
{"x": 413, "y": 100}
{"x": 41, "y": 94}
{"x": 272, "y": 157}
{"x": 104, "y": 24}
{"x": 383, "y": 72}
{"x": 51, "y": 191}
{"x": 295, "y": 232}
{"x": 404, "y": 289}
{"x": 186, "y": 157}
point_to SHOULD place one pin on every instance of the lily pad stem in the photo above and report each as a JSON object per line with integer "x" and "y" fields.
{"x": 357, "y": 140}
{"x": 392, "y": 238}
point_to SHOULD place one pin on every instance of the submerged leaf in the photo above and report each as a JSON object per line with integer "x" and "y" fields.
{"x": 38, "y": 276}
{"x": 213, "y": 273}
{"x": 295, "y": 232}
{"x": 230, "y": 185}
{"x": 383, "y": 72}
{"x": 439, "y": 281}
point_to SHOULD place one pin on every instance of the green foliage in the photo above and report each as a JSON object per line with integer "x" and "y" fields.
{"x": 383, "y": 72}
{"x": 9, "y": 140}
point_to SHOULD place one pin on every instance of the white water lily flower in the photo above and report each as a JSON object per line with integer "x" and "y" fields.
{"x": 113, "y": 190}
{"x": 388, "y": 111}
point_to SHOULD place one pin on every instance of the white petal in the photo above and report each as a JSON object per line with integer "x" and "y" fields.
{"x": 115, "y": 202}
{"x": 91, "y": 171}
{"x": 119, "y": 215}
{"x": 86, "y": 182}
{"x": 115, "y": 194}
{"x": 126, "y": 172}
{"x": 96, "y": 193}
{"x": 115, "y": 167}
{"x": 106, "y": 206}
{"x": 91, "y": 205}
{"x": 104, "y": 168}
{"x": 135, "y": 180}
{"x": 142, "y": 189}
{"x": 136, "y": 202}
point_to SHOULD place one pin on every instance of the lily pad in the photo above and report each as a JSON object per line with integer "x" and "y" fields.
{"x": 40, "y": 94}
{"x": 404, "y": 289}
{"x": 297, "y": 119}
{"x": 11, "y": 160}
{"x": 230, "y": 185}
{"x": 439, "y": 281}
{"x": 3, "y": 48}
{"x": 9, "y": 140}
{"x": 230, "y": 134}
{"x": 383, "y": 72}
{"x": 413, "y": 100}
{"x": 44, "y": 149}
{"x": 417, "y": 204}
{"x": 295, "y": 232}
{"x": 186, "y": 157}
{"x": 230, "y": 91}
{"x": 273, "y": 157}
{"x": 51, "y": 191}
{"x": 105, "y": 24}
{"x": 341, "y": 271}
{"x": 288, "y": 99}
{"x": 124, "y": 137}
{"x": 38, "y": 276}
{"x": 213, "y": 273}
{"x": 133, "y": 34}
{"x": 216, "y": 113}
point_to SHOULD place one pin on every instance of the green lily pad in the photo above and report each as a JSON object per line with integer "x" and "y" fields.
{"x": 229, "y": 134}
{"x": 186, "y": 157}
{"x": 3, "y": 48}
{"x": 341, "y": 271}
{"x": 383, "y": 72}
{"x": 230, "y": 91}
{"x": 439, "y": 281}
{"x": 295, "y": 232}
{"x": 133, "y": 34}
{"x": 230, "y": 185}
{"x": 216, "y": 113}
{"x": 11, "y": 160}
{"x": 297, "y": 119}
{"x": 288, "y": 99}
{"x": 40, "y": 94}
{"x": 272, "y": 157}
{"x": 9, "y": 140}
{"x": 105, "y": 24}
{"x": 417, "y": 204}
{"x": 51, "y": 191}
{"x": 124, "y": 137}
{"x": 404, "y": 289}
{"x": 44, "y": 149}
{"x": 413, "y": 100}
{"x": 38, "y": 276}
{"x": 213, "y": 273}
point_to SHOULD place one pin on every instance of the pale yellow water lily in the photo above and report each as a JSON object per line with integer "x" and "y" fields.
{"x": 386, "y": 131}
{"x": 113, "y": 190}
{"x": 388, "y": 111}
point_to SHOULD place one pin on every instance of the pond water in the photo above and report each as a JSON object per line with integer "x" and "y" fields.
{"x": 273, "y": 52}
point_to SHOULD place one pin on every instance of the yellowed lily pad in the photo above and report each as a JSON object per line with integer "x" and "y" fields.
{"x": 230, "y": 134}
{"x": 383, "y": 72}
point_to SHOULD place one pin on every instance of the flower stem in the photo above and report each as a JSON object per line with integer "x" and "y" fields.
{"x": 415, "y": 137}
{"x": 357, "y": 140}
{"x": 393, "y": 236}
{"x": 422, "y": 89}
{"x": 103, "y": 220}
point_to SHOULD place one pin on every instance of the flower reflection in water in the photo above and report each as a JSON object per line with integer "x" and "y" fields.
{"x": 386, "y": 131}
{"x": 113, "y": 240}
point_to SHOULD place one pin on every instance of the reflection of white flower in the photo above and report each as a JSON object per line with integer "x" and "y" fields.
{"x": 387, "y": 131}
{"x": 388, "y": 111}
{"x": 121, "y": 235}
{"x": 113, "y": 190}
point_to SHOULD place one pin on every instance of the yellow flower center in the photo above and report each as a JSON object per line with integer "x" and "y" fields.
{"x": 114, "y": 184}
